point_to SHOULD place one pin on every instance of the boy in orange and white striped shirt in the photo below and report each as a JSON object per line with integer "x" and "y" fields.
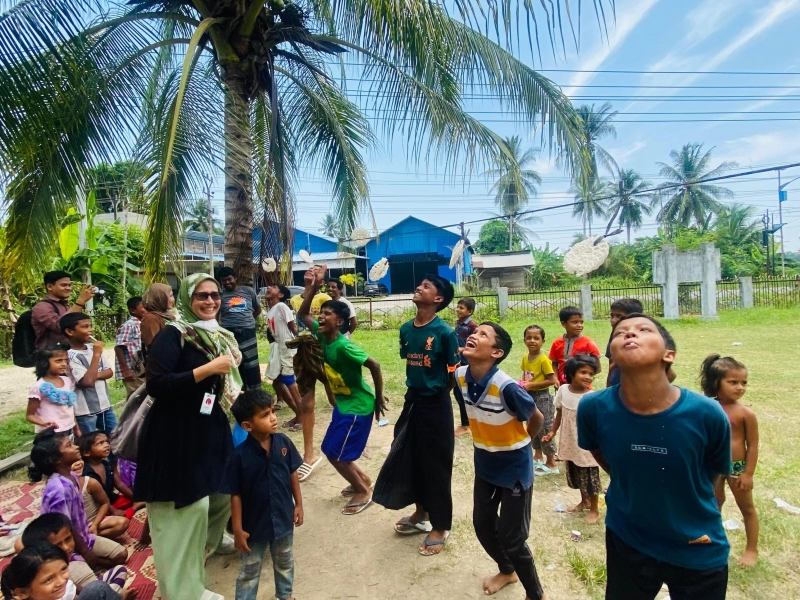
{"x": 503, "y": 417}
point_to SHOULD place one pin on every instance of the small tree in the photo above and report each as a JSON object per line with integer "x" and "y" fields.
{"x": 493, "y": 238}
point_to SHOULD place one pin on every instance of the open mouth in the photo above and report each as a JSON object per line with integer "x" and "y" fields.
{"x": 629, "y": 345}
{"x": 470, "y": 344}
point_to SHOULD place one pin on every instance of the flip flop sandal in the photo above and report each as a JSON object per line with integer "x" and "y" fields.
{"x": 542, "y": 470}
{"x": 408, "y": 527}
{"x": 347, "y": 492}
{"x": 361, "y": 506}
{"x": 305, "y": 470}
{"x": 429, "y": 544}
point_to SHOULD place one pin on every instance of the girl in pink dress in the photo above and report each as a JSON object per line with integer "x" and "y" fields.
{"x": 52, "y": 397}
{"x": 583, "y": 472}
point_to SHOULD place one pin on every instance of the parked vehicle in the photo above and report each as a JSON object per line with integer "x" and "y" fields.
{"x": 294, "y": 289}
{"x": 372, "y": 290}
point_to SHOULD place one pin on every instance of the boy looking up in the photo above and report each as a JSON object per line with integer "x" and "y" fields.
{"x": 419, "y": 467}
{"x": 93, "y": 410}
{"x": 335, "y": 289}
{"x": 354, "y": 403}
{"x": 503, "y": 418}
{"x": 572, "y": 342}
{"x": 464, "y": 328}
{"x": 266, "y": 503}
{"x": 665, "y": 448}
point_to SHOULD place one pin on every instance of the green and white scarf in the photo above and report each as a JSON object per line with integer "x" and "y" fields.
{"x": 208, "y": 336}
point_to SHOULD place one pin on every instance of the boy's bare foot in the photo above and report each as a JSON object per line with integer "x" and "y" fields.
{"x": 461, "y": 430}
{"x": 749, "y": 558}
{"x": 579, "y": 507}
{"x": 593, "y": 517}
{"x": 495, "y": 583}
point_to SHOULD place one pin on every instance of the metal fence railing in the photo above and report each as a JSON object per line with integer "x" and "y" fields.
{"x": 648, "y": 295}
{"x": 390, "y": 313}
{"x": 776, "y": 292}
{"x": 541, "y": 305}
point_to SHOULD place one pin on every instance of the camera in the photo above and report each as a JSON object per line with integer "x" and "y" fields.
{"x": 99, "y": 292}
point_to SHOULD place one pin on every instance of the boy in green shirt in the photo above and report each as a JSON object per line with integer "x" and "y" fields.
{"x": 419, "y": 467}
{"x": 355, "y": 403}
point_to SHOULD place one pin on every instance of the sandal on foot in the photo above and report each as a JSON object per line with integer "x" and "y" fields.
{"x": 543, "y": 470}
{"x": 361, "y": 506}
{"x": 433, "y": 544}
{"x": 408, "y": 527}
{"x": 347, "y": 492}
{"x": 305, "y": 470}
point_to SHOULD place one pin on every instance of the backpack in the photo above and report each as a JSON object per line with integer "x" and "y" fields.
{"x": 23, "y": 346}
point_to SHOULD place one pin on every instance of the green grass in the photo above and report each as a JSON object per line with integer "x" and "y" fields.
{"x": 589, "y": 569}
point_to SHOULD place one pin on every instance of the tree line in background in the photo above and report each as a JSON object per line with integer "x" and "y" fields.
{"x": 687, "y": 210}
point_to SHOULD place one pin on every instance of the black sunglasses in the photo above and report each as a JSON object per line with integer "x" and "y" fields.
{"x": 203, "y": 296}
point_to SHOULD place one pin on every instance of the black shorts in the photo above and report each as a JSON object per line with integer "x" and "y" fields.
{"x": 633, "y": 575}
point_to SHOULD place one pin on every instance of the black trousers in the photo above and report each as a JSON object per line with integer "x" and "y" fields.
{"x": 504, "y": 536}
{"x": 249, "y": 369}
{"x": 633, "y": 575}
{"x": 462, "y": 409}
{"x": 419, "y": 468}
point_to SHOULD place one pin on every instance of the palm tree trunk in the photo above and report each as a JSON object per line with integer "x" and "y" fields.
{"x": 628, "y": 225}
{"x": 510, "y": 234}
{"x": 238, "y": 178}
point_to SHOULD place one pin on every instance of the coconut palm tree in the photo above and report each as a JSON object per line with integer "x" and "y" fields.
{"x": 515, "y": 185}
{"x": 596, "y": 124}
{"x": 629, "y": 203}
{"x": 330, "y": 228}
{"x": 258, "y": 87}
{"x": 683, "y": 199}
{"x": 590, "y": 201}
{"x": 196, "y": 218}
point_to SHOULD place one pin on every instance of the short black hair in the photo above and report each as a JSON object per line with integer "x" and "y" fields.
{"x": 248, "y": 403}
{"x": 468, "y": 303}
{"x": 87, "y": 440}
{"x": 444, "y": 287}
{"x": 566, "y": 313}
{"x": 502, "y": 340}
{"x": 224, "y": 272}
{"x": 41, "y": 366}
{"x": 341, "y": 310}
{"x": 669, "y": 341}
{"x": 338, "y": 283}
{"x": 44, "y": 526}
{"x": 71, "y": 319}
{"x": 576, "y": 362}
{"x": 538, "y": 328}
{"x": 52, "y": 276}
{"x": 285, "y": 292}
{"x": 133, "y": 303}
{"x": 627, "y": 306}
{"x": 24, "y": 567}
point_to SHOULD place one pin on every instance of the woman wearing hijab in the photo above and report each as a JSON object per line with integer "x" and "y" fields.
{"x": 158, "y": 300}
{"x": 186, "y": 438}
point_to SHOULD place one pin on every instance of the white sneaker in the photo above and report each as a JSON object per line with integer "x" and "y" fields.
{"x": 226, "y": 545}
{"x": 209, "y": 595}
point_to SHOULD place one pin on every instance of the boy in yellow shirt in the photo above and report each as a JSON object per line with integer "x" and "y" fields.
{"x": 537, "y": 377}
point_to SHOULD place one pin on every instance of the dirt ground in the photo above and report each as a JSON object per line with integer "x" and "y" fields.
{"x": 360, "y": 556}
{"x": 15, "y": 383}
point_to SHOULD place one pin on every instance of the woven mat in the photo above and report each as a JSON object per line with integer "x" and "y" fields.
{"x": 20, "y": 501}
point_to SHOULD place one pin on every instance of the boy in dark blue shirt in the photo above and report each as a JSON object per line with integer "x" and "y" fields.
{"x": 261, "y": 477}
{"x": 664, "y": 447}
{"x": 464, "y": 328}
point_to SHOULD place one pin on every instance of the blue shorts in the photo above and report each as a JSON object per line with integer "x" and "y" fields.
{"x": 346, "y": 437}
{"x": 287, "y": 380}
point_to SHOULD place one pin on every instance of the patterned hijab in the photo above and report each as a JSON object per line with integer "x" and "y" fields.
{"x": 208, "y": 336}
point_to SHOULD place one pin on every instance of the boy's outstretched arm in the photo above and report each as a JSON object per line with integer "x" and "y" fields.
{"x": 377, "y": 377}
{"x": 535, "y": 422}
{"x": 313, "y": 279}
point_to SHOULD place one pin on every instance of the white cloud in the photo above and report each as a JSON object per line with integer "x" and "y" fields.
{"x": 707, "y": 18}
{"x": 621, "y": 153}
{"x": 628, "y": 17}
{"x": 761, "y": 148}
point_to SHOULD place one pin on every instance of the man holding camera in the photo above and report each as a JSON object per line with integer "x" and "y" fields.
{"x": 47, "y": 312}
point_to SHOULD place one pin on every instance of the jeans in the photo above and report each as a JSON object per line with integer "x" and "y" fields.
{"x": 105, "y": 421}
{"x": 282, "y": 566}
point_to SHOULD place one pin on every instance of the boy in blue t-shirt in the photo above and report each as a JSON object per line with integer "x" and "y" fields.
{"x": 664, "y": 447}
{"x": 503, "y": 418}
{"x": 266, "y": 503}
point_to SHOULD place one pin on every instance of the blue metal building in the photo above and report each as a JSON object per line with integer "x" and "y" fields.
{"x": 415, "y": 248}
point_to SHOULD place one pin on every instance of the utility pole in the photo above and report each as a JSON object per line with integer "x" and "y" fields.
{"x": 83, "y": 226}
{"x": 209, "y": 195}
{"x": 782, "y": 197}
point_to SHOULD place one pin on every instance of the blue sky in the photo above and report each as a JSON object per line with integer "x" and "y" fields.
{"x": 648, "y": 35}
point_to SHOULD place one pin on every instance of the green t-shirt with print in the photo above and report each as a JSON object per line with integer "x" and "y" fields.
{"x": 343, "y": 363}
{"x": 431, "y": 354}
